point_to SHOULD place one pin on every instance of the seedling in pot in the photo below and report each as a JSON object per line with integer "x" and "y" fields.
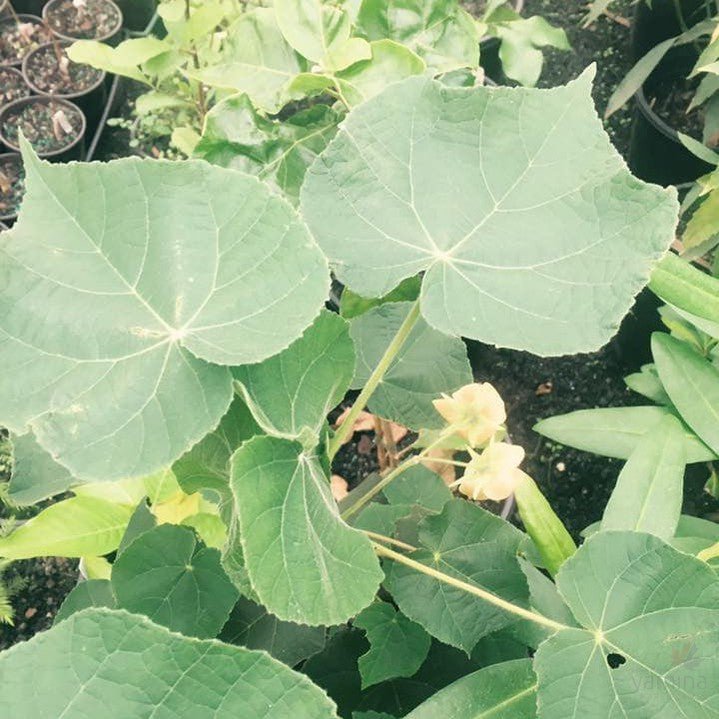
{"x": 49, "y": 71}
{"x": 12, "y": 185}
{"x": 50, "y": 126}
{"x": 83, "y": 19}
{"x": 12, "y": 85}
{"x": 19, "y": 34}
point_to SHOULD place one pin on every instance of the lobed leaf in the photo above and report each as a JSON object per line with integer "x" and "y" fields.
{"x": 155, "y": 274}
{"x": 537, "y": 244}
{"x": 101, "y": 660}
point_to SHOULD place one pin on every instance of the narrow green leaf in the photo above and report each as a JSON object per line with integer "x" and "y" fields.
{"x": 165, "y": 575}
{"x": 675, "y": 281}
{"x": 550, "y": 536}
{"x": 650, "y": 632}
{"x": 352, "y": 305}
{"x": 407, "y": 389}
{"x": 615, "y": 431}
{"x": 75, "y": 527}
{"x": 291, "y": 393}
{"x": 649, "y": 492}
{"x": 635, "y": 78}
{"x": 647, "y": 383}
{"x": 502, "y": 691}
{"x": 303, "y": 561}
{"x": 518, "y": 241}
{"x": 469, "y": 543}
{"x": 90, "y": 593}
{"x": 100, "y": 661}
{"x": 116, "y": 338}
{"x": 252, "y": 626}
{"x": 398, "y": 646}
{"x": 692, "y": 384}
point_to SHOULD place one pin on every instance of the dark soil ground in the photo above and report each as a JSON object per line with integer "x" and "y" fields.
{"x": 577, "y": 484}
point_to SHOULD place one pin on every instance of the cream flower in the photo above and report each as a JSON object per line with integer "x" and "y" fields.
{"x": 494, "y": 474}
{"x": 475, "y": 411}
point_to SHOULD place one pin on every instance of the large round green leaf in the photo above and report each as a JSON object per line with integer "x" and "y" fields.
{"x": 530, "y": 229}
{"x": 305, "y": 564}
{"x": 648, "y": 646}
{"x": 124, "y": 285}
{"x": 101, "y": 662}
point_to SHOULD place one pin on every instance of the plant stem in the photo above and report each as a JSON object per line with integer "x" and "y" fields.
{"x": 344, "y": 430}
{"x": 383, "y": 551}
{"x": 389, "y": 540}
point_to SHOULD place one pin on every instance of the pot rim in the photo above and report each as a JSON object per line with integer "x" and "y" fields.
{"x": 44, "y": 98}
{"x": 21, "y": 16}
{"x": 69, "y": 38}
{"x": 63, "y": 96}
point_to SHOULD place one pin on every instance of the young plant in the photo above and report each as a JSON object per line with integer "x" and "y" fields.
{"x": 176, "y": 322}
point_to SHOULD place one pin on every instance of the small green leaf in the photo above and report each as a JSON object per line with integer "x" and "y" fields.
{"x": 111, "y": 663}
{"x": 165, "y": 575}
{"x": 90, "y": 593}
{"x": 256, "y": 60}
{"x": 352, "y": 305}
{"x": 646, "y": 382}
{"x": 615, "y": 431}
{"x": 252, "y": 626}
{"x": 502, "y": 691}
{"x": 519, "y": 241}
{"x": 650, "y": 631}
{"x": 692, "y": 384}
{"x": 407, "y": 389}
{"x": 649, "y": 492}
{"x": 421, "y": 486}
{"x": 291, "y": 393}
{"x": 468, "y": 543}
{"x": 380, "y": 518}
{"x": 390, "y": 62}
{"x": 303, "y": 561}
{"x": 398, "y": 646}
{"x": 141, "y": 521}
{"x": 75, "y": 527}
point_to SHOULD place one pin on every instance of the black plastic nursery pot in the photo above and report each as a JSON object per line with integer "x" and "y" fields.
{"x": 659, "y": 20}
{"x": 12, "y": 116}
{"x": 59, "y": 14}
{"x": 8, "y": 54}
{"x": 12, "y": 171}
{"x": 82, "y": 84}
{"x": 137, "y": 14}
{"x": 34, "y": 7}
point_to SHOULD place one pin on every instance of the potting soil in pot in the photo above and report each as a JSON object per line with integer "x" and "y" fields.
{"x": 17, "y": 40}
{"x": 91, "y": 20}
{"x": 59, "y": 76}
{"x": 48, "y": 126}
{"x": 12, "y": 184}
{"x": 12, "y": 86}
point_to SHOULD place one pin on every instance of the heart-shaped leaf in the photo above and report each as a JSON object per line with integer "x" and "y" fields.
{"x": 291, "y": 393}
{"x": 407, "y": 389}
{"x": 305, "y": 564}
{"x": 530, "y": 229}
{"x": 154, "y": 270}
{"x": 650, "y": 618}
{"x": 166, "y": 576}
{"x": 468, "y": 543}
{"x": 101, "y": 662}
